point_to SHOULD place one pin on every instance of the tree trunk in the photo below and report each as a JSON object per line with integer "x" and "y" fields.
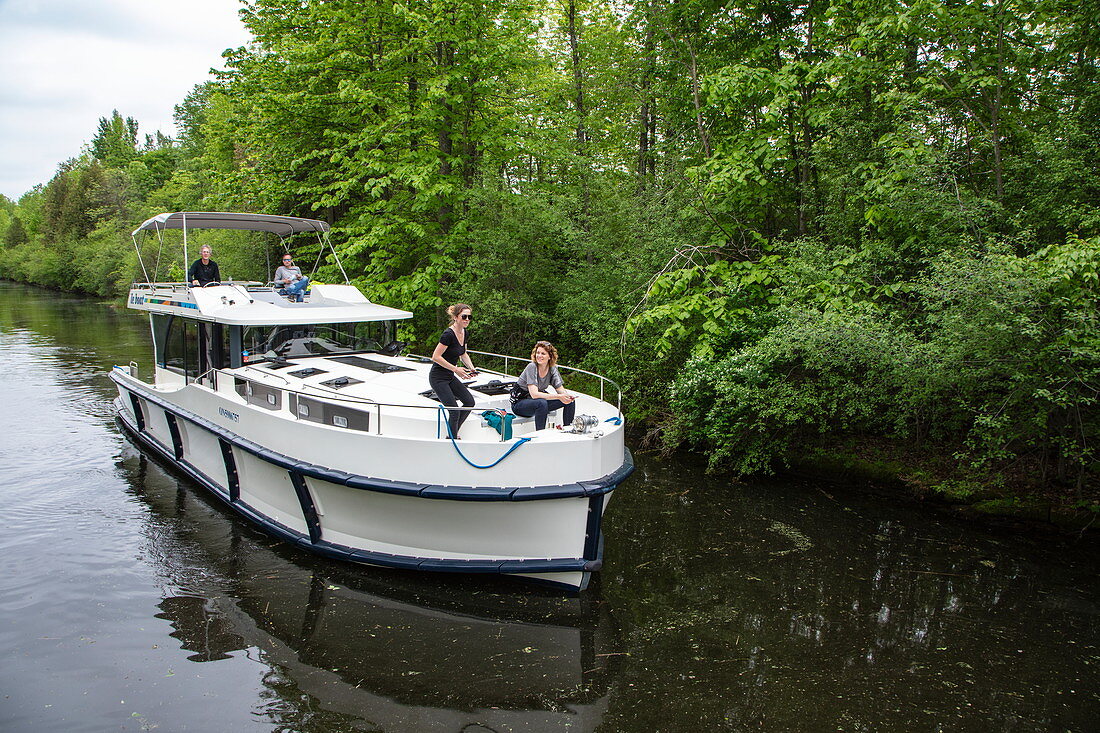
{"x": 805, "y": 161}
{"x": 582, "y": 132}
{"x": 470, "y": 150}
{"x": 693, "y": 68}
{"x": 646, "y": 109}
{"x": 444, "y": 138}
{"x": 578, "y": 75}
{"x": 995, "y": 111}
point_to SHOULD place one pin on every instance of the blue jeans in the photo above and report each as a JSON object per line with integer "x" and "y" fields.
{"x": 295, "y": 289}
{"x": 540, "y": 408}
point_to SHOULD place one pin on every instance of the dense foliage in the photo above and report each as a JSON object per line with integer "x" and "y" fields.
{"x": 785, "y": 227}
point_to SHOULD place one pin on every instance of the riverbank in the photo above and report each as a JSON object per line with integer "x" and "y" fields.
{"x": 931, "y": 476}
{"x": 1013, "y": 491}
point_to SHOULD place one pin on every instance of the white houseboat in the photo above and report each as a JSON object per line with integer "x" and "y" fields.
{"x": 307, "y": 419}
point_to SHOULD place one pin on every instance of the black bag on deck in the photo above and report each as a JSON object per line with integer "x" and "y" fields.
{"x": 518, "y": 393}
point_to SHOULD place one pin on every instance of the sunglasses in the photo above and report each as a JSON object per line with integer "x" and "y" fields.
{"x": 288, "y": 260}
{"x": 465, "y": 316}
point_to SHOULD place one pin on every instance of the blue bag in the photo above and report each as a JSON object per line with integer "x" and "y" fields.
{"x": 501, "y": 423}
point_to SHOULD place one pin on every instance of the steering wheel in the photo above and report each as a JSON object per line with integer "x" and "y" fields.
{"x": 212, "y": 282}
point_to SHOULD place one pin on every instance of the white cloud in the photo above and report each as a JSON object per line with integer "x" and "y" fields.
{"x": 66, "y": 63}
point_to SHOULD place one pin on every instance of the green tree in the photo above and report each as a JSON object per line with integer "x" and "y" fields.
{"x": 15, "y": 235}
{"x": 115, "y": 141}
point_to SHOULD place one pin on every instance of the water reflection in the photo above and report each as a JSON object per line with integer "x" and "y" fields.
{"x": 772, "y": 605}
{"x": 395, "y": 648}
{"x": 200, "y": 628}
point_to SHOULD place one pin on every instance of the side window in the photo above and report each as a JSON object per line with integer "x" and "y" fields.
{"x": 214, "y": 342}
{"x": 190, "y": 333}
{"x": 371, "y": 335}
{"x": 169, "y": 340}
{"x": 254, "y": 342}
{"x": 173, "y": 347}
{"x": 161, "y": 325}
{"x": 180, "y": 352}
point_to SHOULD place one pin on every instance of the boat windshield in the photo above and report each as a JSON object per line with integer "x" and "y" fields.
{"x": 316, "y": 339}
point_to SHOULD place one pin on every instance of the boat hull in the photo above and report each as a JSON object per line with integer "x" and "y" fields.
{"x": 545, "y": 534}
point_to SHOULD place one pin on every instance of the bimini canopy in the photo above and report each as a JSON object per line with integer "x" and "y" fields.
{"x": 283, "y": 226}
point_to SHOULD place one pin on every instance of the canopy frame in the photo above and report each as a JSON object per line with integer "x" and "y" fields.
{"x": 281, "y": 226}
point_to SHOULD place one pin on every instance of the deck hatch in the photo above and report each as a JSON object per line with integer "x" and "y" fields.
{"x": 493, "y": 387}
{"x": 341, "y": 382}
{"x": 374, "y": 366}
{"x": 307, "y": 372}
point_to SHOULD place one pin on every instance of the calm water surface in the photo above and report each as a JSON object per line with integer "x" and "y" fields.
{"x": 129, "y": 601}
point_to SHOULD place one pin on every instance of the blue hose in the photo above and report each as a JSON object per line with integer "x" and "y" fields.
{"x": 458, "y": 450}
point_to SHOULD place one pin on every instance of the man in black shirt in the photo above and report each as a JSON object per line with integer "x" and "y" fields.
{"x": 204, "y": 270}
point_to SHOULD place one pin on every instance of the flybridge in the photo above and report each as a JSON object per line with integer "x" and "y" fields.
{"x": 255, "y": 304}
{"x": 281, "y": 226}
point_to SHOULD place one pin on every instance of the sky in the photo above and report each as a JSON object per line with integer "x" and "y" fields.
{"x": 66, "y": 63}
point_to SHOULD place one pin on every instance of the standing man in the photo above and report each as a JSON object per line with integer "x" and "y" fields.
{"x": 204, "y": 270}
{"x": 289, "y": 277}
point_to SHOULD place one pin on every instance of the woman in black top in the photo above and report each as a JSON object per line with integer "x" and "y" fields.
{"x": 446, "y": 371}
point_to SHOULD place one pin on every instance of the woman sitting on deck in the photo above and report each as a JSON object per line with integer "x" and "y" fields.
{"x": 537, "y": 378}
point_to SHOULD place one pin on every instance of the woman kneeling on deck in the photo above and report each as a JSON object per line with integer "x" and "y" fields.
{"x": 537, "y": 379}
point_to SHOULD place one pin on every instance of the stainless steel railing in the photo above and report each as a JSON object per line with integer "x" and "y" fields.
{"x": 331, "y": 395}
{"x": 602, "y": 379}
{"x": 213, "y": 376}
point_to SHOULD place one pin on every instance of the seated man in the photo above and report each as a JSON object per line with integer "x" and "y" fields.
{"x": 290, "y": 280}
{"x": 203, "y": 270}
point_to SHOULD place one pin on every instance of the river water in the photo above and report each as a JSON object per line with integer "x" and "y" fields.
{"x": 131, "y": 601}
